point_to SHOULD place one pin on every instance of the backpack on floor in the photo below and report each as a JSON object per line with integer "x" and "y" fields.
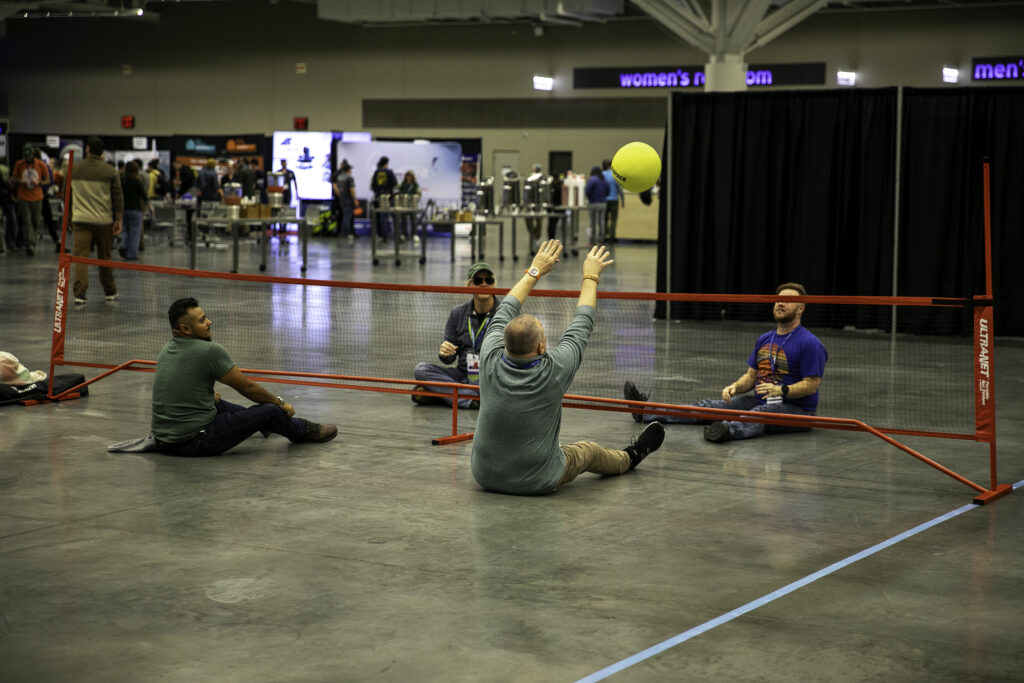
{"x": 15, "y": 394}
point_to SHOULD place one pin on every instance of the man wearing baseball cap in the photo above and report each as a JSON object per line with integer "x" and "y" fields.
{"x": 463, "y": 336}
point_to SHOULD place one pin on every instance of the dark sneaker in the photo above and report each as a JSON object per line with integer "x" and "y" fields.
{"x": 717, "y": 432}
{"x": 631, "y": 393}
{"x": 79, "y": 300}
{"x": 317, "y": 433}
{"x": 420, "y": 400}
{"x": 649, "y": 441}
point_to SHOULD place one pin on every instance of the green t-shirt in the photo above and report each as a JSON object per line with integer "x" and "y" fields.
{"x": 183, "y": 388}
{"x": 515, "y": 446}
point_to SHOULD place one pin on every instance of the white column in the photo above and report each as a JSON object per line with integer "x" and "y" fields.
{"x": 725, "y": 73}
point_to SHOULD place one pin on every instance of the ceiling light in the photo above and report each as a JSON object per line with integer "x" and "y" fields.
{"x": 950, "y": 74}
{"x": 846, "y": 77}
{"x": 543, "y": 83}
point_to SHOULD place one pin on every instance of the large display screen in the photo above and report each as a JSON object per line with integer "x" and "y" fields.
{"x": 436, "y": 165}
{"x": 309, "y": 156}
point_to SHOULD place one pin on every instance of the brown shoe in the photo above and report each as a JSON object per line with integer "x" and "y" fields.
{"x": 317, "y": 433}
{"x": 324, "y": 433}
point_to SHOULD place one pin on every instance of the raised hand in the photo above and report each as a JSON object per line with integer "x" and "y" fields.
{"x": 596, "y": 261}
{"x": 547, "y": 256}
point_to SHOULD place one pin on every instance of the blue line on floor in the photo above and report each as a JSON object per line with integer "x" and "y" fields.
{"x": 765, "y": 599}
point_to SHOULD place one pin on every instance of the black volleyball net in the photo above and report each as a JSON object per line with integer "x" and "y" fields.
{"x": 917, "y": 378}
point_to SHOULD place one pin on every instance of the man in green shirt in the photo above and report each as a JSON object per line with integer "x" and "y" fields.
{"x": 515, "y": 446}
{"x": 190, "y": 418}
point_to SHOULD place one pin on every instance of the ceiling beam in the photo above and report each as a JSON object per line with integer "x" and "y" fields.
{"x": 668, "y": 15}
{"x": 783, "y": 19}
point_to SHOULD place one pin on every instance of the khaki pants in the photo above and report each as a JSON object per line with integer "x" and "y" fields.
{"x": 30, "y": 216}
{"x": 587, "y": 456}
{"x": 103, "y": 236}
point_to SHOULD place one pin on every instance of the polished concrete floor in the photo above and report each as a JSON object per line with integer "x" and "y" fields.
{"x": 376, "y": 556}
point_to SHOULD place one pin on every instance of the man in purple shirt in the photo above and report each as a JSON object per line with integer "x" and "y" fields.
{"x": 784, "y": 370}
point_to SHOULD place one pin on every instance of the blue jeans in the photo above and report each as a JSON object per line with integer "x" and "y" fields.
{"x": 740, "y": 430}
{"x": 132, "y": 232}
{"x": 346, "y": 225}
{"x": 428, "y": 372}
{"x": 233, "y": 425}
{"x": 382, "y": 220}
{"x": 11, "y": 226}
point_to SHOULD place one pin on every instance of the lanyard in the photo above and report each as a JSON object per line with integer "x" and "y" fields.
{"x": 514, "y": 366}
{"x": 473, "y": 336}
{"x": 771, "y": 344}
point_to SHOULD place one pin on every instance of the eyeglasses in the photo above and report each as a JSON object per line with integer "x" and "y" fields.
{"x": 479, "y": 280}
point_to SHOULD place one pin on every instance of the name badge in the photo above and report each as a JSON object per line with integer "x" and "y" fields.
{"x": 473, "y": 367}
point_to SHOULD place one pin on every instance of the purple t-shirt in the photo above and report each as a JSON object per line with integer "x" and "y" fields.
{"x": 787, "y": 359}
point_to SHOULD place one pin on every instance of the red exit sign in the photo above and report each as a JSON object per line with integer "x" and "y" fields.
{"x": 301, "y": 123}
{"x": 128, "y": 121}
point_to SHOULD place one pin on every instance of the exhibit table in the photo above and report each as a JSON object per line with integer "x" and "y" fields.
{"x": 570, "y": 229}
{"x": 477, "y": 235}
{"x": 399, "y": 215}
{"x": 235, "y": 224}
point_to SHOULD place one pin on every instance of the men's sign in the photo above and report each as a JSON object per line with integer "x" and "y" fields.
{"x": 997, "y": 68}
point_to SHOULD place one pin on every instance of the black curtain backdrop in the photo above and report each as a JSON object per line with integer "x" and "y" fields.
{"x": 947, "y": 133}
{"x": 770, "y": 187}
{"x": 776, "y": 187}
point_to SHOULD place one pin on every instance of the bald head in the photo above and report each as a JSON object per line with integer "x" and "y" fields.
{"x": 524, "y": 336}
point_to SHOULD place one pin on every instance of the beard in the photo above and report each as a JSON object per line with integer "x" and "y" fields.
{"x": 785, "y": 318}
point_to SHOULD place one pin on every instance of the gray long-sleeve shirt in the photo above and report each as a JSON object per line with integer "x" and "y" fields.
{"x": 515, "y": 446}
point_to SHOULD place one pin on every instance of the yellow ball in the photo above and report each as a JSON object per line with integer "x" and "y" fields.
{"x": 636, "y": 166}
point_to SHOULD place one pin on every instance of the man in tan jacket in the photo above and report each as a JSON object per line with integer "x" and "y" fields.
{"x": 97, "y": 203}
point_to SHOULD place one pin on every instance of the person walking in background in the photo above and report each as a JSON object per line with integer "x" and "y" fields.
{"x": 30, "y": 177}
{"x": 50, "y": 191}
{"x": 615, "y": 196}
{"x": 184, "y": 178}
{"x": 382, "y": 184}
{"x": 344, "y": 186}
{"x": 135, "y": 203}
{"x": 247, "y": 177}
{"x": 59, "y": 174}
{"x": 97, "y": 206}
{"x": 289, "y": 182}
{"x": 157, "y": 181}
{"x": 597, "y": 194}
{"x": 407, "y": 222}
{"x": 256, "y": 164}
{"x": 9, "y": 219}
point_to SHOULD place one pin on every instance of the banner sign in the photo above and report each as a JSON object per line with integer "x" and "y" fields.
{"x": 692, "y": 76}
{"x": 219, "y": 145}
{"x": 984, "y": 384}
{"x": 997, "y": 68}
